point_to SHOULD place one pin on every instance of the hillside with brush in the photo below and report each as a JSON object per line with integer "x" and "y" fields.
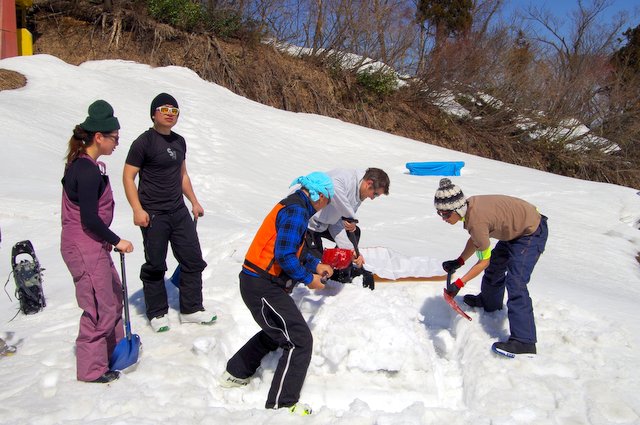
{"x": 520, "y": 105}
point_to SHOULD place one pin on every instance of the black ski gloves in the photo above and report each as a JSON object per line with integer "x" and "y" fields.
{"x": 367, "y": 280}
{"x": 454, "y": 288}
{"x": 453, "y": 265}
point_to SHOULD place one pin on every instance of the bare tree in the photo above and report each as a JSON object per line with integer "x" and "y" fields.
{"x": 484, "y": 12}
{"x": 578, "y": 57}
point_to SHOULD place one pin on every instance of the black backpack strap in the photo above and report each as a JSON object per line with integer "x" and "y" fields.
{"x": 262, "y": 272}
{"x": 286, "y": 284}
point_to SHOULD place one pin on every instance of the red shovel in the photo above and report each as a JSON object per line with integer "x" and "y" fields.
{"x": 454, "y": 305}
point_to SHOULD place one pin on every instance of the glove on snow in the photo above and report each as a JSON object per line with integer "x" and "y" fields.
{"x": 367, "y": 280}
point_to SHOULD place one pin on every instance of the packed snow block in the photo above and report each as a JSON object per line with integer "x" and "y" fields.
{"x": 441, "y": 168}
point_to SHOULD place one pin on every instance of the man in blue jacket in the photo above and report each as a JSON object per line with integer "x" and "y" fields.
{"x": 273, "y": 265}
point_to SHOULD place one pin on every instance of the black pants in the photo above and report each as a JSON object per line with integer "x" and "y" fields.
{"x": 282, "y": 326}
{"x": 179, "y": 229}
{"x": 313, "y": 241}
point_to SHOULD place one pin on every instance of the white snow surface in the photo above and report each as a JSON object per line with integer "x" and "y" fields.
{"x": 395, "y": 355}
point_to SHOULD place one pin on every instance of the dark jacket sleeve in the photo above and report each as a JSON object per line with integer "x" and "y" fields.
{"x": 89, "y": 179}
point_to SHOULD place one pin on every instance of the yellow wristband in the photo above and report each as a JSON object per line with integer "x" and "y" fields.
{"x": 484, "y": 255}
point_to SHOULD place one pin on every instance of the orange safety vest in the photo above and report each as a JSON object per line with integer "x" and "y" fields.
{"x": 260, "y": 257}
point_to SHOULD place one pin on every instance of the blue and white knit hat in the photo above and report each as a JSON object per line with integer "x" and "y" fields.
{"x": 316, "y": 183}
{"x": 449, "y": 197}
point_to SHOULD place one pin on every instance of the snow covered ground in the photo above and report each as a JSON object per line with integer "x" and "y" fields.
{"x": 396, "y": 355}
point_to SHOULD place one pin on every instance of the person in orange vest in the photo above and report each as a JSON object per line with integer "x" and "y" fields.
{"x": 272, "y": 267}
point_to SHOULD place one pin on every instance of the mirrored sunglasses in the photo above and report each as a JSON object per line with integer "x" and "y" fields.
{"x": 168, "y": 110}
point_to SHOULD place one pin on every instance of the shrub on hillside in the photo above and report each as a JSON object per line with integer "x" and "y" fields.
{"x": 224, "y": 23}
{"x": 378, "y": 82}
{"x": 192, "y": 16}
{"x": 183, "y": 14}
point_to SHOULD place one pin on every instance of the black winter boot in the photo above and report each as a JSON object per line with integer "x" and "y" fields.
{"x": 512, "y": 348}
{"x": 107, "y": 377}
{"x": 473, "y": 300}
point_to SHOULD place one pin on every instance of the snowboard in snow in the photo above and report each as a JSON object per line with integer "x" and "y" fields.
{"x": 391, "y": 266}
{"x": 410, "y": 278}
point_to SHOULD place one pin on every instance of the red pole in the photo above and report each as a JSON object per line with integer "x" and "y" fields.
{"x": 8, "y": 29}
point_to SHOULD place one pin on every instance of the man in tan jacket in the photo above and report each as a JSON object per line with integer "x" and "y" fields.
{"x": 522, "y": 233}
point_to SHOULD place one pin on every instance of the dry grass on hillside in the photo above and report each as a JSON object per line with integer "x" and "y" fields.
{"x": 255, "y": 71}
{"x": 79, "y": 31}
{"x": 11, "y": 80}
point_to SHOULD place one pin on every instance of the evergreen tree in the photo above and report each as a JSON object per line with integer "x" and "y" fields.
{"x": 627, "y": 58}
{"x": 450, "y": 17}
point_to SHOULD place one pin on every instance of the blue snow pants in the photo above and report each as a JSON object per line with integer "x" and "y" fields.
{"x": 510, "y": 267}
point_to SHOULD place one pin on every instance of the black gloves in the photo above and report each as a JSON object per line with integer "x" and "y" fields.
{"x": 343, "y": 275}
{"x": 454, "y": 288}
{"x": 453, "y": 265}
{"x": 367, "y": 280}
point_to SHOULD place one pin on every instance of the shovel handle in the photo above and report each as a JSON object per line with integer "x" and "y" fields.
{"x": 449, "y": 274}
{"x": 324, "y": 278}
{"x": 352, "y": 236}
{"x": 125, "y": 295}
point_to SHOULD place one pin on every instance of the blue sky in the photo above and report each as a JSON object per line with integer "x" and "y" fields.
{"x": 562, "y": 8}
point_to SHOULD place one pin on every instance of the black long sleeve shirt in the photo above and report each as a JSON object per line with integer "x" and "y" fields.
{"x": 84, "y": 185}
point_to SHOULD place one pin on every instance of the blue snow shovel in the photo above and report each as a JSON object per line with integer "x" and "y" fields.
{"x": 126, "y": 352}
{"x": 175, "y": 277}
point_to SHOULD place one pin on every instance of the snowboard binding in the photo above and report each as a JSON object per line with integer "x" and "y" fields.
{"x": 27, "y": 274}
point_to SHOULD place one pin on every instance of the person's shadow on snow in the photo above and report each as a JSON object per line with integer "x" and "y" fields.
{"x": 139, "y": 307}
{"x": 439, "y": 316}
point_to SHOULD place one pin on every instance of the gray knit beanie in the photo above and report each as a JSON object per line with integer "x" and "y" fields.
{"x": 449, "y": 197}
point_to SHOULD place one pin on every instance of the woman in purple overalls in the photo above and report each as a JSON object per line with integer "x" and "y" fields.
{"x": 86, "y": 242}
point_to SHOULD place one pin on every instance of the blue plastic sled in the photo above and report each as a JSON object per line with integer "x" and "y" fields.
{"x": 447, "y": 168}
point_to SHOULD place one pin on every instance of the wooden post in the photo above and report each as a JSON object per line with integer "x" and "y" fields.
{"x": 8, "y": 29}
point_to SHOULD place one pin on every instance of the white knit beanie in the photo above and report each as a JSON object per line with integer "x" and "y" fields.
{"x": 449, "y": 197}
